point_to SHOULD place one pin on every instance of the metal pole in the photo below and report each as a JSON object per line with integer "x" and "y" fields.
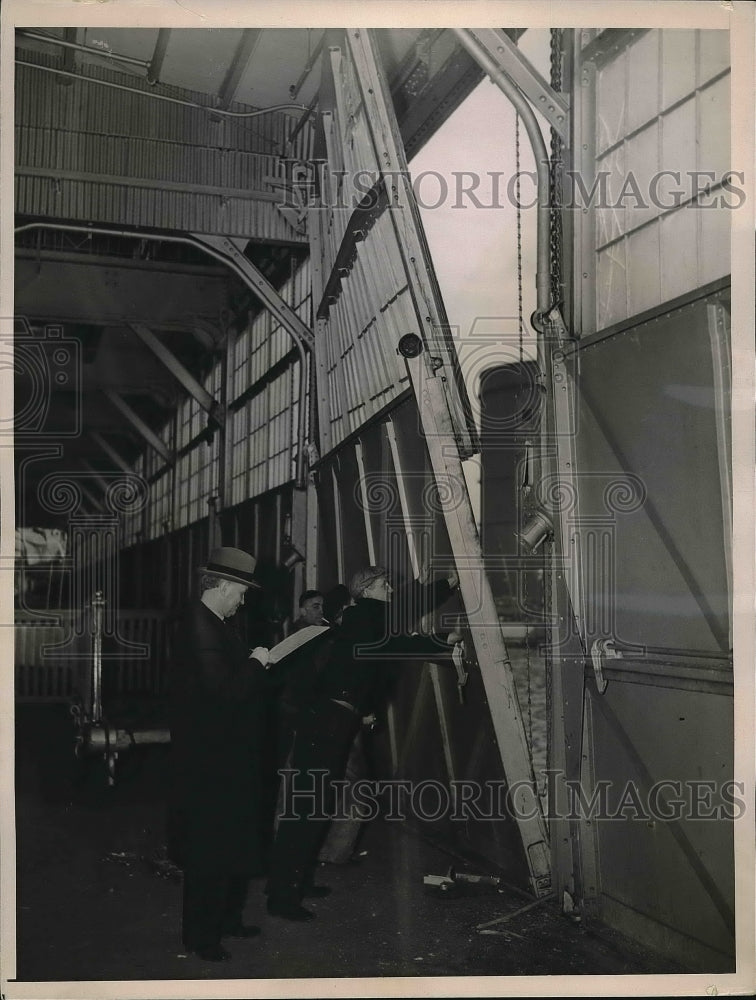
{"x": 102, "y": 53}
{"x": 98, "y": 609}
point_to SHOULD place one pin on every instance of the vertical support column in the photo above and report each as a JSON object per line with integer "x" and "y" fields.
{"x": 364, "y": 503}
{"x": 311, "y": 541}
{"x": 556, "y": 482}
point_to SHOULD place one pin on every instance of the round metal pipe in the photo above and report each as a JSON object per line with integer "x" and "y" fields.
{"x": 163, "y": 97}
{"x": 229, "y": 262}
{"x": 102, "y": 53}
{"x": 103, "y": 738}
{"x": 523, "y": 108}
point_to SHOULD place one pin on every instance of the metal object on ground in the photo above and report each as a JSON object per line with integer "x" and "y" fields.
{"x": 452, "y": 881}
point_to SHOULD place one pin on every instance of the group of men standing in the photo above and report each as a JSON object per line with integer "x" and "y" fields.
{"x": 219, "y": 691}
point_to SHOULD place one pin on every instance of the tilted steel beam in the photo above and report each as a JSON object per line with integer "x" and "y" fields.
{"x": 110, "y": 451}
{"x": 139, "y": 425}
{"x": 158, "y": 55}
{"x": 195, "y": 389}
{"x": 88, "y": 467}
{"x": 94, "y": 502}
{"x": 554, "y": 107}
{"x": 239, "y": 63}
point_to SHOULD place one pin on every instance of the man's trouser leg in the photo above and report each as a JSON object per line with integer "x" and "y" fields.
{"x": 320, "y": 745}
{"x": 204, "y": 904}
{"x": 237, "y": 887}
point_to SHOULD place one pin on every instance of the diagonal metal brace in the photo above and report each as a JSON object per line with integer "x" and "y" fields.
{"x": 232, "y": 251}
{"x": 195, "y": 389}
{"x": 554, "y": 107}
{"x": 111, "y": 452}
{"x": 140, "y": 426}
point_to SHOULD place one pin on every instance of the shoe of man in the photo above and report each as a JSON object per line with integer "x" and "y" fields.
{"x": 289, "y": 910}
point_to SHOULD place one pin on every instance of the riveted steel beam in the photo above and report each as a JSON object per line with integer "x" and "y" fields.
{"x": 139, "y": 425}
{"x": 554, "y": 107}
{"x": 195, "y": 389}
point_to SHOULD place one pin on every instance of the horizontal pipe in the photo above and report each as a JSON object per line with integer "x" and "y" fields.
{"x": 163, "y": 97}
{"x": 102, "y": 53}
{"x": 103, "y": 738}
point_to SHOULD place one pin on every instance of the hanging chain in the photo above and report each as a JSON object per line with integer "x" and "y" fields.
{"x": 555, "y": 235}
{"x": 524, "y": 486}
{"x": 555, "y": 272}
{"x": 520, "y": 324}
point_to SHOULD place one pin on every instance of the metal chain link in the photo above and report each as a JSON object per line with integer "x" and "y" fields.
{"x": 521, "y": 338}
{"x": 555, "y": 235}
{"x": 555, "y": 273}
{"x": 520, "y": 323}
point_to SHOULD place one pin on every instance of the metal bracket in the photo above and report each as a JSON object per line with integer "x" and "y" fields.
{"x": 554, "y": 107}
{"x": 602, "y": 649}
{"x": 458, "y": 659}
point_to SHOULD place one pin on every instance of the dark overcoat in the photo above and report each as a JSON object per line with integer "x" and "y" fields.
{"x": 216, "y": 703}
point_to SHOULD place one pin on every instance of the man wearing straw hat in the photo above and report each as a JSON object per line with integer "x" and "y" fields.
{"x": 216, "y": 700}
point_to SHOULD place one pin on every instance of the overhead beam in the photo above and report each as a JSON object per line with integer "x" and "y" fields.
{"x": 110, "y": 451}
{"x": 179, "y": 372}
{"x": 108, "y": 294}
{"x": 70, "y": 37}
{"x": 182, "y": 187}
{"x": 139, "y": 425}
{"x": 239, "y": 63}
{"x": 158, "y": 55}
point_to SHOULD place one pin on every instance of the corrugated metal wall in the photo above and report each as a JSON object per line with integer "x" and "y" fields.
{"x": 89, "y": 152}
{"x": 262, "y": 427}
{"x": 372, "y": 282}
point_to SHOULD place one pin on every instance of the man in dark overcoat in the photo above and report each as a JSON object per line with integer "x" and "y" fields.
{"x": 216, "y": 698}
{"x": 372, "y": 638}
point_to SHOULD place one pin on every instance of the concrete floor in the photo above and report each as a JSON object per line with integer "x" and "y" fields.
{"x": 91, "y": 905}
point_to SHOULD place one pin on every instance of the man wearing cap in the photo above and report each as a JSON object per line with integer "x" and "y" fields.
{"x": 216, "y": 697}
{"x": 372, "y": 637}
